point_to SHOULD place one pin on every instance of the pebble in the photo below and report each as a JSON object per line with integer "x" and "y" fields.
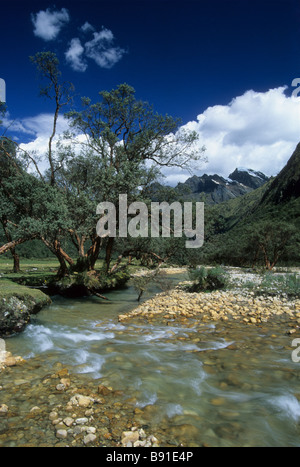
{"x": 90, "y": 438}
{"x": 214, "y": 306}
{"x": 61, "y": 434}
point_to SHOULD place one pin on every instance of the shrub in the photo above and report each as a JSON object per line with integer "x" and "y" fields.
{"x": 208, "y": 279}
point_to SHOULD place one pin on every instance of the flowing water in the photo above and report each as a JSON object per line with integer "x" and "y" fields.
{"x": 216, "y": 384}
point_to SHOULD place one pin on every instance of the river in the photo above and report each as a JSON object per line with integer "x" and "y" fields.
{"x": 215, "y": 384}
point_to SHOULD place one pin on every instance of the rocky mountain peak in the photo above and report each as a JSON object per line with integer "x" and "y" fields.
{"x": 217, "y": 189}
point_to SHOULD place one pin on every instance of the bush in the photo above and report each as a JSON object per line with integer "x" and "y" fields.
{"x": 208, "y": 279}
{"x": 288, "y": 284}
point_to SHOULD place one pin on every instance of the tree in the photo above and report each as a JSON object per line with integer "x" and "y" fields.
{"x": 129, "y": 143}
{"x": 60, "y": 92}
{"x": 270, "y": 241}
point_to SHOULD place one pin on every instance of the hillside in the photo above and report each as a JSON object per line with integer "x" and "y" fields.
{"x": 286, "y": 185}
{"x": 268, "y": 217}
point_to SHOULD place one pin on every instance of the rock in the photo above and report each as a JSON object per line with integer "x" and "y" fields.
{"x": 3, "y": 409}
{"x": 129, "y": 437}
{"x": 140, "y": 444}
{"x": 68, "y": 421}
{"x": 103, "y": 390}
{"x": 90, "y": 438}
{"x": 10, "y": 361}
{"x": 66, "y": 382}
{"x": 53, "y": 416}
{"x": 20, "y": 303}
{"x": 60, "y": 387}
{"x": 91, "y": 429}
{"x": 81, "y": 401}
{"x": 81, "y": 421}
{"x": 63, "y": 373}
{"x": 35, "y": 409}
{"x": 61, "y": 434}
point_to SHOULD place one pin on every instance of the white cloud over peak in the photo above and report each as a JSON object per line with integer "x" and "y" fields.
{"x": 48, "y": 24}
{"x": 259, "y": 130}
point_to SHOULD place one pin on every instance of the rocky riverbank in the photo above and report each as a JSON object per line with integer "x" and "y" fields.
{"x": 239, "y": 305}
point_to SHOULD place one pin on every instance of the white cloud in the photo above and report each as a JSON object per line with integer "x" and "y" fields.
{"x": 101, "y": 49}
{"x": 86, "y": 27}
{"x": 39, "y": 129}
{"x": 47, "y": 24}
{"x": 74, "y": 55}
{"x": 259, "y": 130}
{"x": 256, "y": 130}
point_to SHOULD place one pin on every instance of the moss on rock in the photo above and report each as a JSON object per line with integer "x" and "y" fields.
{"x": 17, "y": 304}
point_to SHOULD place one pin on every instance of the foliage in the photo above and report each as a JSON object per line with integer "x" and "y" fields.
{"x": 277, "y": 284}
{"x": 143, "y": 282}
{"x": 206, "y": 279}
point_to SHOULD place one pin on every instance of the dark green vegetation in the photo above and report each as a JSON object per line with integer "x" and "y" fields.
{"x": 204, "y": 279}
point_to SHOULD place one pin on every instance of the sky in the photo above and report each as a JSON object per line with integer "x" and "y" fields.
{"x": 227, "y": 68}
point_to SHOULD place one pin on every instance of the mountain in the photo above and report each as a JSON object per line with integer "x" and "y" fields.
{"x": 249, "y": 177}
{"x": 286, "y": 185}
{"x": 267, "y": 217}
{"x": 214, "y": 189}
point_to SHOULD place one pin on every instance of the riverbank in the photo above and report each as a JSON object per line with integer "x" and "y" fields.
{"x": 17, "y": 304}
{"x": 219, "y": 305}
{"x": 229, "y": 305}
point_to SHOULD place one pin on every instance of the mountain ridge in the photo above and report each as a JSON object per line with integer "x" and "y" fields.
{"x": 215, "y": 189}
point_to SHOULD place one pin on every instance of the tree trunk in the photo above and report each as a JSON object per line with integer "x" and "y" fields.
{"x": 109, "y": 249}
{"x": 93, "y": 253}
{"x": 61, "y": 255}
{"x": 16, "y": 257}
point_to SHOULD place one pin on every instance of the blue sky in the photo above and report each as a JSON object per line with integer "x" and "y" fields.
{"x": 225, "y": 67}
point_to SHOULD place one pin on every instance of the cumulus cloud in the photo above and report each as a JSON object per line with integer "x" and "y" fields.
{"x": 258, "y": 130}
{"x": 74, "y": 55}
{"x": 255, "y": 130}
{"x": 102, "y": 50}
{"x": 48, "y": 24}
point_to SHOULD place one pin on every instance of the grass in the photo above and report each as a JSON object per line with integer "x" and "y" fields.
{"x": 9, "y": 289}
{"x": 39, "y": 272}
{"x": 33, "y": 272}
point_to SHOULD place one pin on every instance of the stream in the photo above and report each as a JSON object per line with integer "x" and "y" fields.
{"x": 215, "y": 384}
